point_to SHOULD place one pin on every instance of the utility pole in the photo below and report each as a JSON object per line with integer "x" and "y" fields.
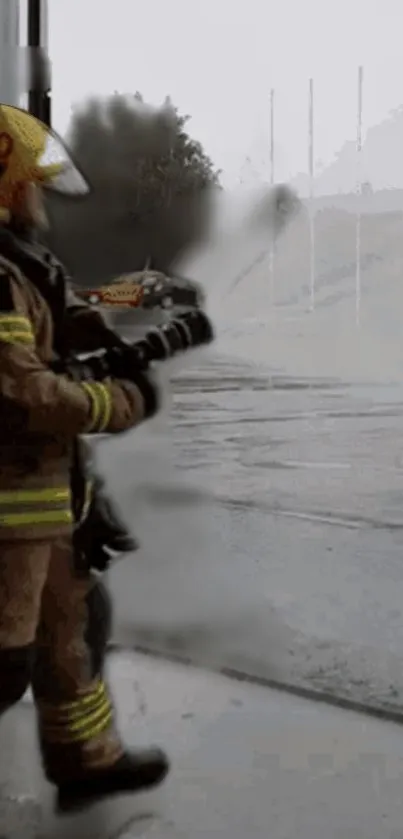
{"x": 359, "y": 194}
{"x": 39, "y": 100}
{"x": 311, "y": 195}
{"x": 10, "y": 57}
{"x": 272, "y": 243}
{"x": 18, "y": 76}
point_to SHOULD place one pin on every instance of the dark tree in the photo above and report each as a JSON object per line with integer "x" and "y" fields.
{"x": 151, "y": 195}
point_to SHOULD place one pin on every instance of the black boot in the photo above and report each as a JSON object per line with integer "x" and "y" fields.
{"x": 133, "y": 772}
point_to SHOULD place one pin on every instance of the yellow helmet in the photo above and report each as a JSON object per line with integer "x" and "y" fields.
{"x": 30, "y": 152}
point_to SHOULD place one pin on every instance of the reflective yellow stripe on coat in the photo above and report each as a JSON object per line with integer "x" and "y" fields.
{"x": 16, "y": 329}
{"x": 101, "y": 406}
{"x": 36, "y": 506}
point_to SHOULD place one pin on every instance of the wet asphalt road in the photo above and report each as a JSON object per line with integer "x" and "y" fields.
{"x": 298, "y": 501}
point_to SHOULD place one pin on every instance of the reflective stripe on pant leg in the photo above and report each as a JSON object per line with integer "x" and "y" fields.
{"x": 75, "y": 715}
{"x": 78, "y": 721}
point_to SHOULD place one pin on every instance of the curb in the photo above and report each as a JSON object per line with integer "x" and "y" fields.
{"x": 389, "y": 714}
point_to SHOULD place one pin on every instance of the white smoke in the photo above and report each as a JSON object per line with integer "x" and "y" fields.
{"x": 176, "y": 581}
{"x": 245, "y": 225}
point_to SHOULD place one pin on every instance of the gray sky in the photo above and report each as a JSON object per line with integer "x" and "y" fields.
{"x": 218, "y": 60}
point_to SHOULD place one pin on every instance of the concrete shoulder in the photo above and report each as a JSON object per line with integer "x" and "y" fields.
{"x": 247, "y": 762}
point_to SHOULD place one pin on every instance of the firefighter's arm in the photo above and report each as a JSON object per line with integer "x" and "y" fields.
{"x": 85, "y": 328}
{"x": 44, "y": 401}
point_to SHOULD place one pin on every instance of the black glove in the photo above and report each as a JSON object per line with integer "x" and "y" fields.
{"x": 100, "y": 533}
{"x": 112, "y": 364}
{"x": 92, "y": 368}
{"x": 192, "y": 329}
{"x": 131, "y": 361}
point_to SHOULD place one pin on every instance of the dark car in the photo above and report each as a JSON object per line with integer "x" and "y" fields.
{"x": 144, "y": 298}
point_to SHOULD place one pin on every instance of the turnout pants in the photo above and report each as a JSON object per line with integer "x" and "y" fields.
{"x": 43, "y": 642}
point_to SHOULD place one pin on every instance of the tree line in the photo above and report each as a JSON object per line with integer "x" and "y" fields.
{"x": 151, "y": 190}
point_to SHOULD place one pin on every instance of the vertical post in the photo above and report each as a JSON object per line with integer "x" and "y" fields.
{"x": 359, "y": 193}
{"x": 271, "y": 263}
{"x": 39, "y": 102}
{"x": 311, "y": 196}
{"x": 10, "y": 65}
{"x": 272, "y": 137}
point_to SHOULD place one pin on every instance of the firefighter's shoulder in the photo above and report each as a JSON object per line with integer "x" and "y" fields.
{"x": 15, "y": 322}
{"x": 8, "y": 302}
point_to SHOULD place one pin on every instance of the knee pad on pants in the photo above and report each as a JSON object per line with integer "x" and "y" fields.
{"x": 15, "y": 674}
{"x": 99, "y": 625}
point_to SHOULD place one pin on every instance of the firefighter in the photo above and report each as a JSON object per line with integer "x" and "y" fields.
{"x": 43, "y": 598}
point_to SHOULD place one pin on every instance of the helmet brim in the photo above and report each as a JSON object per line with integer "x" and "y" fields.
{"x": 59, "y": 173}
{"x": 65, "y": 180}
{"x": 38, "y": 154}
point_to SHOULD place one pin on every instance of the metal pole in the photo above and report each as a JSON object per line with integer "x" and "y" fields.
{"x": 359, "y": 193}
{"x": 272, "y": 137}
{"x": 271, "y": 262}
{"x": 10, "y": 66}
{"x": 311, "y": 196}
{"x": 39, "y": 101}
